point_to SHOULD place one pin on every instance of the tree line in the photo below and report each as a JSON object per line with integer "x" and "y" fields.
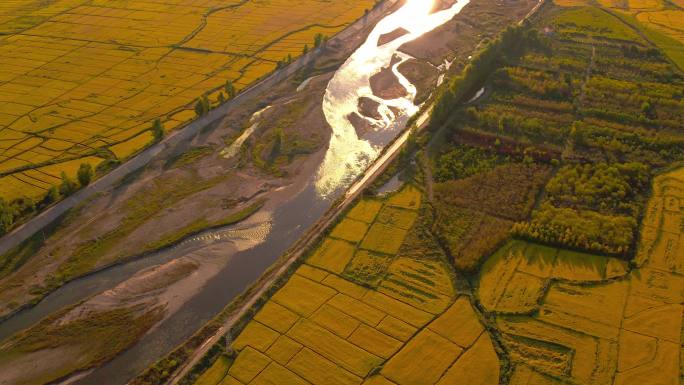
{"x": 11, "y": 212}
{"x": 510, "y": 45}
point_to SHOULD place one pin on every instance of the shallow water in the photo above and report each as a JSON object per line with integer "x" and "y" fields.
{"x": 392, "y": 185}
{"x": 242, "y": 236}
{"x": 289, "y": 222}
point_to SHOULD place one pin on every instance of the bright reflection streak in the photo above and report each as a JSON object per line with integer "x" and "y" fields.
{"x": 348, "y": 155}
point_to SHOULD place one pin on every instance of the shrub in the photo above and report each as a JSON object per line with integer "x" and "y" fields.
{"x": 85, "y": 174}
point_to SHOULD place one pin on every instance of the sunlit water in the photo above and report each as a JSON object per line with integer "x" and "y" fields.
{"x": 348, "y": 155}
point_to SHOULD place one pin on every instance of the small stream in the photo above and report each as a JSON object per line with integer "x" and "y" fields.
{"x": 346, "y": 159}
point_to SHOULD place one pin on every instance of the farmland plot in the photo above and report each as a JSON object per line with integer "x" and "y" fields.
{"x": 66, "y": 100}
{"x": 656, "y": 19}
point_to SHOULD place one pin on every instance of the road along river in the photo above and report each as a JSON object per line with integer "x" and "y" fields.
{"x": 348, "y": 158}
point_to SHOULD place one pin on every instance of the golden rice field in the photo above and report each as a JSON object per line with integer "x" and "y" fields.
{"x": 409, "y": 327}
{"x": 669, "y": 22}
{"x": 83, "y": 80}
{"x": 571, "y": 318}
{"x": 660, "y": 21}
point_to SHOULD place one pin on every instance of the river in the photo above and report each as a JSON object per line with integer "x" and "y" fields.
{"x": 347, "y": 157}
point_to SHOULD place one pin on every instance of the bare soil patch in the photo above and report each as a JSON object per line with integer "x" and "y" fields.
{"x": 392, "y": 36}
{"x": 421, "y": 74}
{"x": 385, "y": 84}
{"x": 461, "y": 35}
{"x": 369, "y": 107}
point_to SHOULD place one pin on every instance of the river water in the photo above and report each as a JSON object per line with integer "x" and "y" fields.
{"x": 346, "y": 159}
{"x": 348, "y": 155}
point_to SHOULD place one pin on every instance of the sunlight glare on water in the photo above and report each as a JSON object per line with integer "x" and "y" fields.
{"x": 348, "y": 155}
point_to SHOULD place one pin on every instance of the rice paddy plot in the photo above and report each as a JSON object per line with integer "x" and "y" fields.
{"x": 654, "y": 19}
{"x": 216, "y": 373}
{"x": 303, "y": 296}
{"x": 333, "y": 255}
{"x": 478, "y": 366}
{"x": 454, "y": 348}
{"x": 422, "y": 360}
{"x": 367, "y": 267}
{"x": 385, "y": 239}
{"x": 593, "y": 362}
{"x": 514, "y": 279}
{"x": 670, "y": 22}
{"x": 365, "y": 210}
{"x": 593, "y": 22}
{"x": 408, "y": 197}
{"x": 424, "y": 283}
{"x": 400, "y": 218}
{"x": 350, "y": 230}
{"x": 459, "y": 324}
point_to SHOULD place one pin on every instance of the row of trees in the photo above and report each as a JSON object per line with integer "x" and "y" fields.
{"x": 12, "y": 212}
{"x": 512, "y": 43}
{"x": 584, "y": 230}
{"x": 603, "y": 187}
{"x": 536, "y": 126}
{"x": 463, "y": 161}
{"x": 203, "y": 104}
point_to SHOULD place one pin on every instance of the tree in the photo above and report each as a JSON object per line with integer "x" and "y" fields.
{"x": 230, "y": 89}
{"x": 206, "y": 103}
{"x": 157, "y": 130}
{"x": 68, "y": 186}
{"x": 305, "y": 50}
{"x": 85, "y": 174}
{"x": 648, "y": 109}
{"x": 277, "y": 145}
{"x": 405, "y": 156}
{"x": 318, "y": 40}
{"x": 7, "y": 214}
{"x": 202, "y": 106}
{"x": 52, "y": 195}
{"x": 221, "y": 98}
{"x": 199, "y": 108}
